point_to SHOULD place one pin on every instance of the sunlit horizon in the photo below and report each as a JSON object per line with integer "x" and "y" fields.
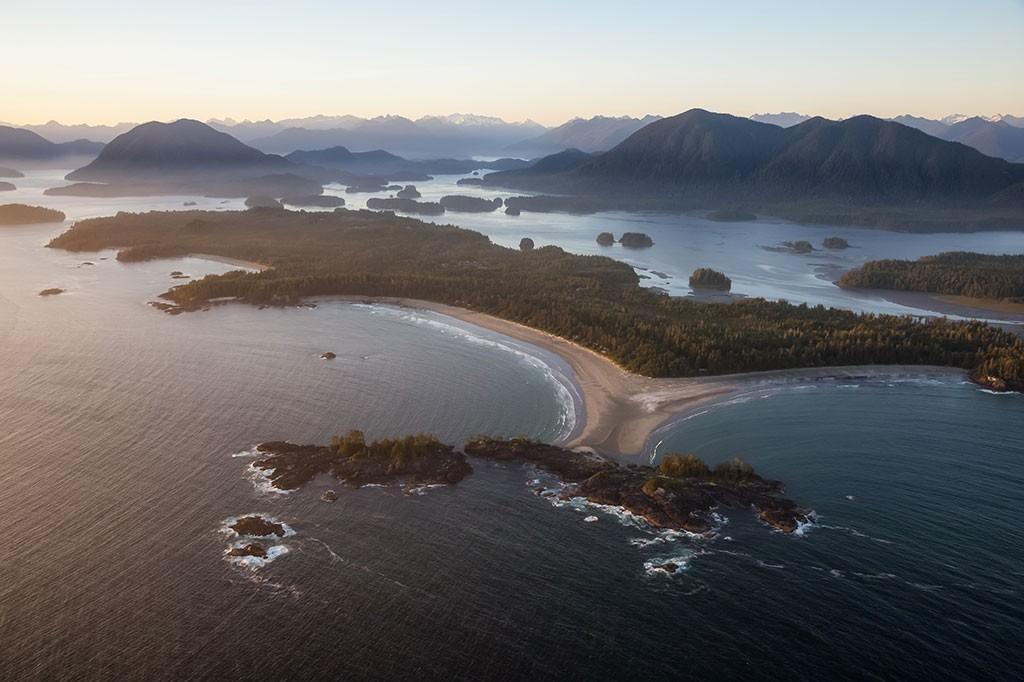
{"x": 77, "y": 64}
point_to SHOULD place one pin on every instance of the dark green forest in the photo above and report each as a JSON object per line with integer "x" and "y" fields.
{"x": 592, "y": 300}
{"x": 958, "y": 273}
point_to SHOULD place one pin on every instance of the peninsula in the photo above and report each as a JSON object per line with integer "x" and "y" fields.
{"x": 592, "y": 301}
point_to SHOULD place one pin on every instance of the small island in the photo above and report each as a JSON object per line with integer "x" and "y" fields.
{"x": 258, "y": 527}
{"x": 464, "y": 204}
{"x": 10, "y": 173}
{"x": 405, "y": 206}
{"x": 328, "y": 355}
{"x": 51, "y": 292}
{"x": 7, "y": 187}
{"x": 526, "y": 244}
{"x": 835, "y": 243}
{"x": 635, "y": 240}
{"x": 470, "y": 182}
{"x": 249, "y": 549}
{"x": 512, "y": 210}
{"x": 606, "y": 239}
{"x": 409, "y": 192}
{"x": 314, "y": 201}
{"x": 413, "y": 460}
{"x": 21, "y": 214}
{"x": 706, "y": 278}
{"x": 262, "y": 202}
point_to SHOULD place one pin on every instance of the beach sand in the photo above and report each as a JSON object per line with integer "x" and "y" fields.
{"x": 622, "y": 409}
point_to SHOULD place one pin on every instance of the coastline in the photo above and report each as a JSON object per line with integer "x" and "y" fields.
{"x": 247, "y": 264}
{"x": 622, "y": 412}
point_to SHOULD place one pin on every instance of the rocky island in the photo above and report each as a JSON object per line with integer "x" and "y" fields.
{"x": 606, "y": 239}
{"x": 706, "y": 278}
{"x": 635, "y": 240}
{"x": 836, "y": 243}
{"x": 413, "y": 460}
{"x": 21, "y": 214}
{"x": 409, "y": 192}
{"x": 680, "y": 493}
{"x": 7, "y": 187}
{"x": 51, "y": 292}
{"x": 10, "y": 173}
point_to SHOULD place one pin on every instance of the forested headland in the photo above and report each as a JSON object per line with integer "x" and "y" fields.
{"x": 956, "y": 273}
{"x": 594, "y": 301}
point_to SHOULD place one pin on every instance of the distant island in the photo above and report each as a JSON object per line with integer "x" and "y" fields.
{"x": 835, "y": 243}
{"x": 10, "y": 173}
{"x": 706, "y": 278}
{"x": 606, "y": 239}
{"x": 314, "y": 200}
{"x": 859, "y": 171}
{"x": 680, "y": 493}
{"x": 464, "y": 204}
{"x": 366, "y": 253}
{"x": 635, "y": 240}
{"x": 21, "y": 214}
{"x": 7, "y": 187}
{"x": 405, "y": 206}
{"x": 51, "y": 292}
{"x": 958, "y": 273}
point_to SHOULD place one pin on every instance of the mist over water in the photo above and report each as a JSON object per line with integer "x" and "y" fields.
{"x": 125, "y": 444}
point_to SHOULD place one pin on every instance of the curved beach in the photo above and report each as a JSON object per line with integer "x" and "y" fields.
{"x": 622, "y": 409}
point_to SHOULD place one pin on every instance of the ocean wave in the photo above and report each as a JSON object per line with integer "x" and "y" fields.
{"x": 261, "y": 481}
{"x": 669, "y": 565}
{"x": 251, "y": 452}
{"x": 254, "y": 563}
{"x": 565, "y": 389}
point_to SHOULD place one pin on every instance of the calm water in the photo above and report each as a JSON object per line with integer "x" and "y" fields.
{"x": 121, "y": 428}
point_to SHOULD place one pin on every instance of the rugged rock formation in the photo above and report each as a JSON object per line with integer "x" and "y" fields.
{"x": 636, "y": 240}
{"x": 706, "y": 278}
{"x": 606, "y": 239}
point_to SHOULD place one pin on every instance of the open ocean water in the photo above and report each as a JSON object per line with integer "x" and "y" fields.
{"x": 123, "y": 450}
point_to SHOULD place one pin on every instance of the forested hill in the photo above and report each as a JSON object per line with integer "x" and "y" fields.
{"x": 957, "y": 273}
{"x": 819, "y": 170}
{"x": 592, "y": 300}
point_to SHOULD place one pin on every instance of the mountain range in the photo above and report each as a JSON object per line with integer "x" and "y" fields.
{"x": 700, "y": 159}
{"x": 20, "y": 146}
{"x": 599, "y": 133}
{"x": 1001, "y": 136}
{"x": 381, "y": 163}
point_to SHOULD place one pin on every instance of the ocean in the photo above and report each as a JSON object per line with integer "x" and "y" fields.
{"x": 125, "y": 448}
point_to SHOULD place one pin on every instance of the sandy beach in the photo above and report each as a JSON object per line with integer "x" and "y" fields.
{"x": 622, "y": 409}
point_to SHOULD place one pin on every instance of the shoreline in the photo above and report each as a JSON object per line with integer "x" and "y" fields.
{"x": 622, "y": 412}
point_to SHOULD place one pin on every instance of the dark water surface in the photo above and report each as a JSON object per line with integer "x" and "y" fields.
{"x": 118, "y": 427}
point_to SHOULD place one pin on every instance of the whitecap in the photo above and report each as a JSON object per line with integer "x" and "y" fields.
{"x": 262, "y": 482}
{"x": 590, "y": 519}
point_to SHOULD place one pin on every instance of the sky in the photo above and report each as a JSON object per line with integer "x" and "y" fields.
{"x": 104, "y": 62}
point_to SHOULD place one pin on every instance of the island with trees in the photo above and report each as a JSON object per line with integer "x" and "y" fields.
{"x": 706, "y": 278}
{"x": 405, "y": 206}
{"x": 681, "y": 493}
{"x": 957, "y": 273}
{"x": 835, "y": 243}
{"x": 594, "y": 301}
{"x": 635, "y": 240}
{"x": 606, "y": 239}
{"x": 464, "y": 204}
{"x": 21, "y": 214}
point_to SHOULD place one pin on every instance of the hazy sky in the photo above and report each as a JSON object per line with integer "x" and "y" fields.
{"x": 103, "y": 61}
